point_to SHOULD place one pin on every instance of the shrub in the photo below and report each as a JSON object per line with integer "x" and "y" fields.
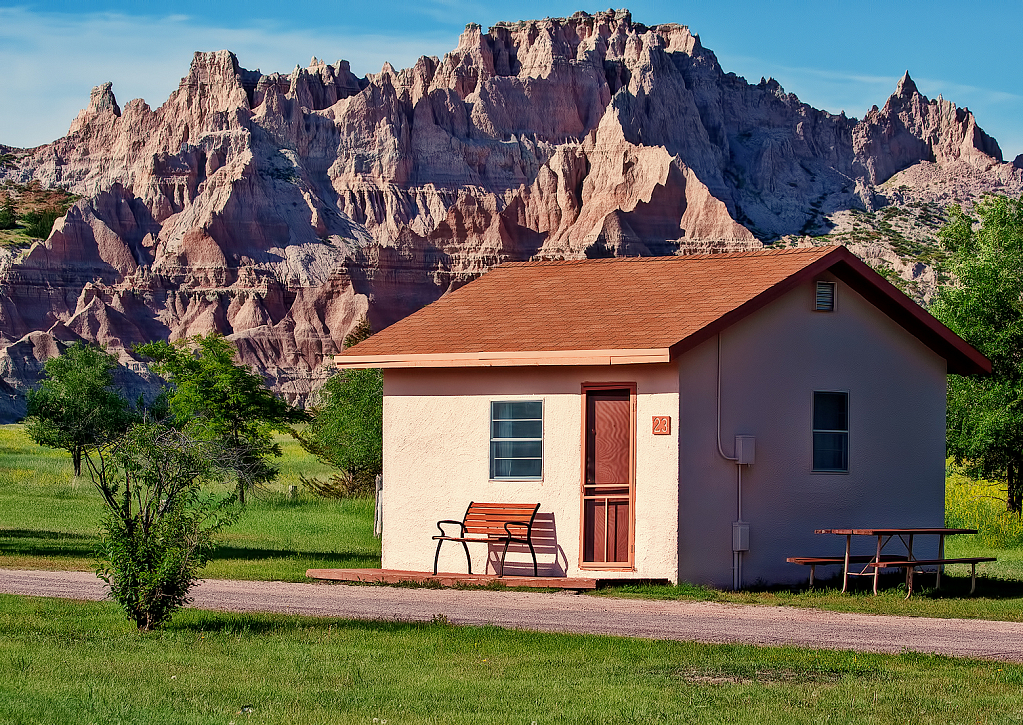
{"x": 39, "y": 224}
{"x": 160, "y": 525}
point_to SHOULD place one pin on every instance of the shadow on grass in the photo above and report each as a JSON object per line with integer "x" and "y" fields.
{"x": 26, "y": 542}
{"x": 351, "y": 559}
{"x": 36, "y": 534}
{"x": 233, "y": 623}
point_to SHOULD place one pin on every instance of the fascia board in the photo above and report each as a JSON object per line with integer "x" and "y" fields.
{"x": 507, "y": 359}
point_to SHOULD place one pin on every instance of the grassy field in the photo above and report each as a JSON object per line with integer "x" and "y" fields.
{"x": 76, "y": 662}
{"x": 49, "y": 520}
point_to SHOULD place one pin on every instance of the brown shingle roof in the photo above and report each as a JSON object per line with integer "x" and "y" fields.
{"x": 651, "y": 304}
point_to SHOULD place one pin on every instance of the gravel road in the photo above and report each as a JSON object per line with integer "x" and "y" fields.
{"x": 565, "y": 612}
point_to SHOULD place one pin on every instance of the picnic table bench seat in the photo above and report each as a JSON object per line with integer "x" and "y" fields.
{"x": 910, "y": 564}
{"x": 489, "y": 523}
{"x": 814, "y": 561}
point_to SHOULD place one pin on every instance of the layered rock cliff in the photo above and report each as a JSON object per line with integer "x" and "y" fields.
{"x": 281, "y": 210}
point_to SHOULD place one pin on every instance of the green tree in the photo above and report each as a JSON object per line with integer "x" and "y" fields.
{"x": 8, "y": 217}
{"x": 984, "y": 306}
{"x": 347, "y": 431}
{"x": 229, "y": 401}
{"x": 160, "y": 526}
{"x": 76, "y": 407}
{"x": 39, "y": 224}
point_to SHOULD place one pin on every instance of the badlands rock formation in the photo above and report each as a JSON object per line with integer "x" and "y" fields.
{"x": 281, "y": 210}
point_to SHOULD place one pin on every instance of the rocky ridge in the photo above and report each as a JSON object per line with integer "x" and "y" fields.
{"x": 281, "y": 210}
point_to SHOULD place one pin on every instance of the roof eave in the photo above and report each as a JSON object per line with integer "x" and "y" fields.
{"x": 507, "y": 358}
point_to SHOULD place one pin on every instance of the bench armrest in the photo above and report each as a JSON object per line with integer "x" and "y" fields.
{"x": 524, "y": 524}
{"x": 460, "y": 524}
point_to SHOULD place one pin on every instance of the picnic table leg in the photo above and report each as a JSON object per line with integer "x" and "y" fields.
{"x": 910, "y": 547}
{"x": 812, "y": 567}
{"x": 845, "y": 567}
{"x": 877, "y": 569}
{"x": 909, "y": 582}
{"x": 973, "y": 578}
{"x": 941, "y": 555}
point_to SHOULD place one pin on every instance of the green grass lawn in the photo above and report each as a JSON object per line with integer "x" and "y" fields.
{"x": 80, "y": 662}
{"x": 50, "y": 520}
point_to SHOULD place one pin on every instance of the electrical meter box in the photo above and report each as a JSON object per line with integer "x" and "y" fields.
{"x": 745, "y": 450}
{"x": 740, "y": 536}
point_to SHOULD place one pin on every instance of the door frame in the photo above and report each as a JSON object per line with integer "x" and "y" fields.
{"x": 616, "y": 565}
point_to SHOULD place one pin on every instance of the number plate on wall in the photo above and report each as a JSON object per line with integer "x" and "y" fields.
{"x": 662, "y": 425}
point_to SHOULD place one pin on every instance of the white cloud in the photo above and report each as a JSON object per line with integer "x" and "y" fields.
{"x": 51, "y": 61}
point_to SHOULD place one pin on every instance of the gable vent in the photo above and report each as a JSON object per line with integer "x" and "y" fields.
{"x": 825, "y": 301}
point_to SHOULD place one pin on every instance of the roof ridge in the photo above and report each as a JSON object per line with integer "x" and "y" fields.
{"x": 817, "y": 249}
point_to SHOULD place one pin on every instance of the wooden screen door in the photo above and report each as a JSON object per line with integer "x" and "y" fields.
{"x": 607, "y": 479}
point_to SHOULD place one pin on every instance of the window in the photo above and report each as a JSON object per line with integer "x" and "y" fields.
{"x": 825, "y": 298}
{"x": 516, "y": 439}
{"x": 830, "y": 432}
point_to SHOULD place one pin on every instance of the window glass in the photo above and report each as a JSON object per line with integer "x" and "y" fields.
{"x": 830, "y": 431}
{"x": 516, "y": 439}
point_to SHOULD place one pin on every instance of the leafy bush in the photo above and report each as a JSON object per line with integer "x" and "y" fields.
{"x": 347, "y": 432}
{"x": 39, "y": 224}
{"x": 160, "y": 525}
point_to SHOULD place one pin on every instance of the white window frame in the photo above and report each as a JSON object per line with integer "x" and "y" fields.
{"x": 492, "y": 440}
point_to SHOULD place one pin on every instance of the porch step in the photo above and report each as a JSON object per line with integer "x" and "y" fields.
{"x": 397, "y": 576}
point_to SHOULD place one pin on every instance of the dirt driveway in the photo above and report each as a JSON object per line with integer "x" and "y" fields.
{"x": 565, "y": 612}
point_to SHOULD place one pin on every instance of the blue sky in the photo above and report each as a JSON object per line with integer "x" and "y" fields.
{"x": 53, "y": 53}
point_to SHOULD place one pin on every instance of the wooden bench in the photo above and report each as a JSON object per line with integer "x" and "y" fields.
{"x": 910, "y": 565}
{"x": 489, "y": 523}
{"x": 814, "y": 561}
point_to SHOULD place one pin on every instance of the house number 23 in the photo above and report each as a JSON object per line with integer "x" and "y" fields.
{"x": 662, "y": 425}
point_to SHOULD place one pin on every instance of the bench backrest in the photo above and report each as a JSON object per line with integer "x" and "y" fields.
{"x": 488, "y": 519}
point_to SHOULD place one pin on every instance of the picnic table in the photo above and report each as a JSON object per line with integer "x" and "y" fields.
{"x": 874, "y": 564}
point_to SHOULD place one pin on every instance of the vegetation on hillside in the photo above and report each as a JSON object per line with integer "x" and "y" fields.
{"x": 28, "y": 212}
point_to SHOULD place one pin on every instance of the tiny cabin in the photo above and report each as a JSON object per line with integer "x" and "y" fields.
{"x": 682, "y": 418}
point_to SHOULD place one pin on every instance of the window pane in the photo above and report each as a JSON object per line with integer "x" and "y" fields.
{"x": 830, "y": 451}
{"x": 517, "y": 468}
{"x": 831, "y": 411}
{"x": 517, "y": 409}
{"x": 516, "y": 449}
{"x": 516, "y": 429}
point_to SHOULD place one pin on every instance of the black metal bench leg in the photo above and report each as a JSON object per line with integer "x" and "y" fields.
{"x": 468, "y": 559}
{"x": 533, "y": 552}
{"x": 436, "y": 557}
{"x": 503, "y": 555}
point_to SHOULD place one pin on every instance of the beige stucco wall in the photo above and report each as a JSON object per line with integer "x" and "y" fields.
{"x": 771, "y": 363}
{"x": 436, "y": 460}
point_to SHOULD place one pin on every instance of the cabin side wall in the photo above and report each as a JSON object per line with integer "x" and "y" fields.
{"x": 436, "y": 460}
{"x": 771, "y": 362}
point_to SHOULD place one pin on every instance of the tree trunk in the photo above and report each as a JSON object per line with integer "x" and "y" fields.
{"x": 241, "y": 493}
{"x": 1014, "y": 491}
{"x": 76, "y": 457}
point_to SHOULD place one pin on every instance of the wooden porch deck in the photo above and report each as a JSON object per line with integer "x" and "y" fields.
{"x": 396, "y": 576}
